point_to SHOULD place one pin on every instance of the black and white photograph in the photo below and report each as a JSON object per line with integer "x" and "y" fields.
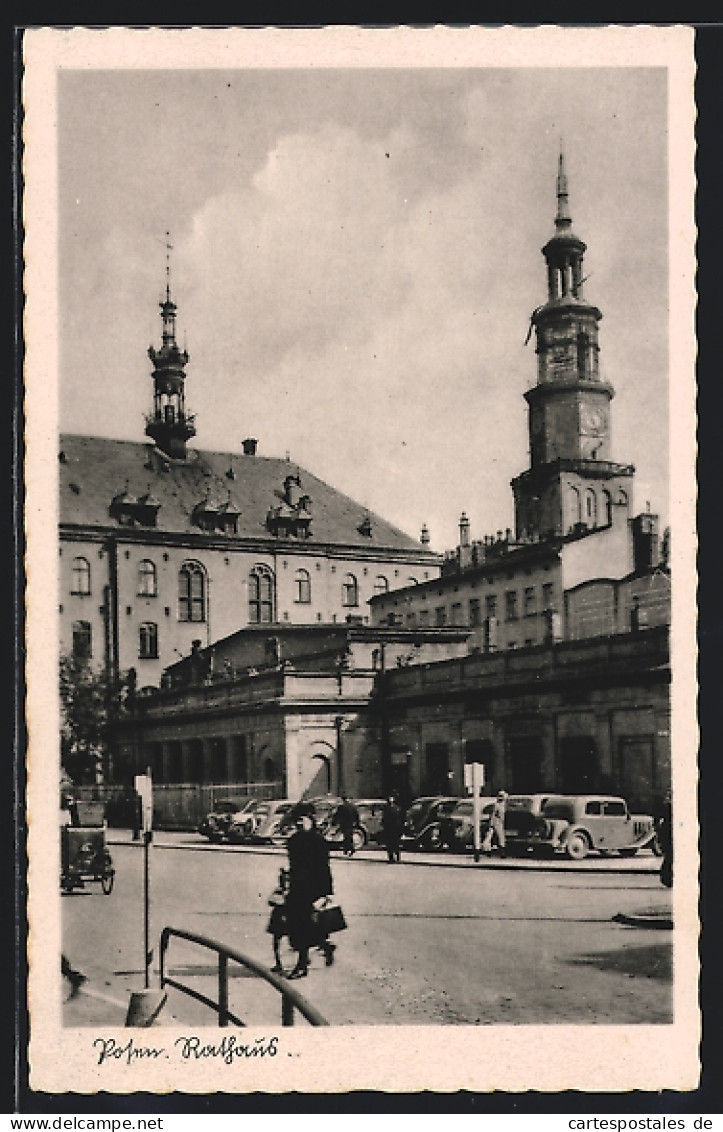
{"x": 360, "y": 490}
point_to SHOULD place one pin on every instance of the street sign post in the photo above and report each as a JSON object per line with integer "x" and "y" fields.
{"x": 474, "y": 780}
{"x": 144, "y": 789}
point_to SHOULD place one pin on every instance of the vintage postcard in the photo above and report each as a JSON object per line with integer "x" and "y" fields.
{"x": 360, "y": 500}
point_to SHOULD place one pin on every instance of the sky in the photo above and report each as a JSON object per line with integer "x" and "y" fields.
{"x": 355, "y": 258}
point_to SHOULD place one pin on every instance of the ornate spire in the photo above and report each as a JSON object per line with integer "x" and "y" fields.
{"x": 563, "y": 220}
{"x": 169, "y": 425}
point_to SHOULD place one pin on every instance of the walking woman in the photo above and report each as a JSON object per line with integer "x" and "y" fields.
{"x": 309, "y": 878}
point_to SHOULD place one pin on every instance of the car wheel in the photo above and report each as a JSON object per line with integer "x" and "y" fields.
{"x": 359, "y": 839}
{"x": 106, "y": 883}
{"x": 656, "y": 847}
{"x": 577, "y": 847}
{"x": 628, "y": 852}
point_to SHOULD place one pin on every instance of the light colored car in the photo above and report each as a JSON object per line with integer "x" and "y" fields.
{"x": 578, "y": 823}
{"x": 268, "y": 817}
{"x": 242, "y": 823}
{"x": 457, "y": 827}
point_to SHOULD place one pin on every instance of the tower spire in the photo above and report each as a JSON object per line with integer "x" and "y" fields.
{"x": 169, "y": 425}
{"x": 169, "y": 249}
{"x": 563, "y": 220}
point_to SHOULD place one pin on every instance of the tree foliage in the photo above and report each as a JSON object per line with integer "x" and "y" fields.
{"x": 91, "y": 701}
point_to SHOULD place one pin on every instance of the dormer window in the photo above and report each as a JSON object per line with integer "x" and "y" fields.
{"x": 365, "y": 527}
{"x": 129, "y": 511}
{"x": 291, "y": 518}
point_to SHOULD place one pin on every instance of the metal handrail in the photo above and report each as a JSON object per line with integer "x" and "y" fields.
{"x": 291, "y": 1000}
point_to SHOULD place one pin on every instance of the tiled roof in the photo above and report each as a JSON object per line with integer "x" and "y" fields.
{"x": 96, "y": 470}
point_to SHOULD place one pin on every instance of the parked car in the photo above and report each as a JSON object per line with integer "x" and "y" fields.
{"x": 269, "y": 816}
{"x": 242, "y": 825}
{"x": 578, "y": 823}
{"x": 215, "y": 824}
{"x": 457, "y": 827}
{"x": 367, "y": 829}
{"x": 524, "y": 821}
{"x": 422, "y": 823}
{"x": 324, "y": 805}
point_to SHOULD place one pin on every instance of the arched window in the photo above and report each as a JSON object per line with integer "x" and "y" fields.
{"x": 148, "y": 641}
{"x": 80, "y": 576}
{"x": 261, "y": 596}
{"x": 575, "y": 507}
{"x": 623, "y": 498}
{"x": 82, "y": 640}
{"x": 302, "y": 587}
{"x": 608, "y": 505}
{"x": 349, "y": 591}
{"x": 590, "y": 508}
{"x": 147, "y": 585}
{"x": 381, "y": 584}
{"x": 191, "y": 592}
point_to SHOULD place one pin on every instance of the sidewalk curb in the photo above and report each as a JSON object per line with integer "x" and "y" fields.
{"x": 506, "y": 865}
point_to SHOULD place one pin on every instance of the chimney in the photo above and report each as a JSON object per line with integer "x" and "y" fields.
{"x": 424, "y": 536}
{"x": 249, "y": 446}
{"x": 463, "y": 530}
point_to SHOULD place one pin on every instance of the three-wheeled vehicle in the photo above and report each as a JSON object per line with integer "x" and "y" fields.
{"x": 84, "y": 855}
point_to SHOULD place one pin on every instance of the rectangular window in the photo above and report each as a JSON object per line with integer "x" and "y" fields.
{"x": 475, "y": 613}
{"x": 457, "y": 615}
{"x": 547, "y": 595}
{"x": 423, "y": 617}
{"x": 511, "y": 605}
{"x": 148, "y": 641}
{"x": 491, "y": 605}
{"x": 82, "y": 640}
{"x": 530, "y": 601}
{"x": 440, "y": 615}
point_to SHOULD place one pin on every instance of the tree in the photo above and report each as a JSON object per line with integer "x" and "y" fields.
{"x": 91, "y": 701}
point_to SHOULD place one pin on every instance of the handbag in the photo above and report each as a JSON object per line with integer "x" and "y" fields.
{"x": 328, "y": 916}
{"x": 277, "y": 898}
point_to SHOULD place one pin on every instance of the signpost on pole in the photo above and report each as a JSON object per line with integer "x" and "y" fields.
{"x": 144, "y": 789}
{"x": 474, "y": 780}
{"x": 145, "y": 1005}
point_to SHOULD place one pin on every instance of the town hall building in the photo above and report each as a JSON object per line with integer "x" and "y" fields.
{"x": 163, "y": 546}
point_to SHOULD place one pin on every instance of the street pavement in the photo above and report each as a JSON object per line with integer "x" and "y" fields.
{"x": 439, "y": 939}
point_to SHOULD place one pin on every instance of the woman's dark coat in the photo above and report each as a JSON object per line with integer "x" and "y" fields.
{"x": 309, "y": 878}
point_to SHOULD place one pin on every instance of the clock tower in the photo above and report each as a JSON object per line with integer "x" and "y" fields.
{"x": 572, "y": 482}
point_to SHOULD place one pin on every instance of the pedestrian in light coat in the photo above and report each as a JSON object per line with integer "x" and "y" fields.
{"x": 496, "y": 833}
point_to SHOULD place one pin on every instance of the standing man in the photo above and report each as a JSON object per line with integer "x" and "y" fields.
{"x": 392, "y": 827}
{"x": 346, "y": 818}
{"x": 496, "y": 832}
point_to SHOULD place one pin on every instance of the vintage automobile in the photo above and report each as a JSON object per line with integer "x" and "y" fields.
{"x": 457, "y": 827}
{"x": 268, "y": 818}
{"x": 84, "y": 855}
{"x": 368, "y": 827}
{"x": 422, "y": 823}
{"x": 576, "y": 824}
{"x": 523, "y": 819}
{"x": 215, "y": 826}
{"x": 324, "y": 806}
{"x": 243, "y": 822}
